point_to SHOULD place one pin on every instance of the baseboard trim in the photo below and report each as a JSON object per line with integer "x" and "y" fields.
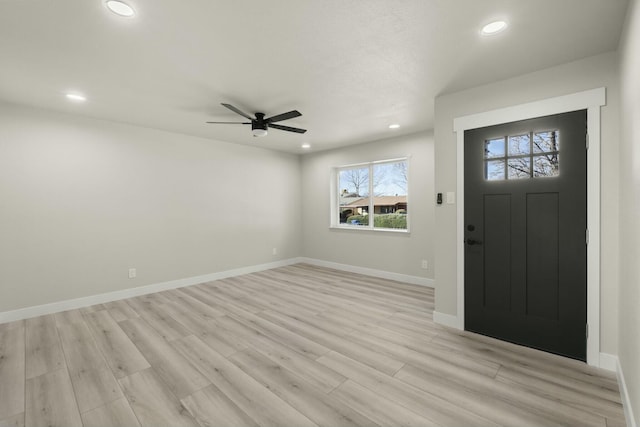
{"x": 405, "y": 278}
{"x": 56, "y": 307}
{"x": 624, "y": 395}
{"x": 608, "y": 362}
{"x": 447, "y": 320}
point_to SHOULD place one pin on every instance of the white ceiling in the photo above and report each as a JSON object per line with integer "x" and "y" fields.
{"x": 352, "y": 67}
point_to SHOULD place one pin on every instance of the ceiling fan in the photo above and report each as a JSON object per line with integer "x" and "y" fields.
{"x": 260, "y": 125}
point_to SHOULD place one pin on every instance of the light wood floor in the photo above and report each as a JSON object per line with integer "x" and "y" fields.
{"x": 295, "y": 346}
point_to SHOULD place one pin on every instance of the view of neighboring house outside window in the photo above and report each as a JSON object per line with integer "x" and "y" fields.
{"x": 373, "y": 195}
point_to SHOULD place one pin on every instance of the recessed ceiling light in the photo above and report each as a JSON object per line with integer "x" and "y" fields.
{"x": 394, "y": 126}
{"x": 306, "y": 146}
{"x": 493, "y": 28}
{"x": 120, "y": 8}
{"x": 76, "y": 97}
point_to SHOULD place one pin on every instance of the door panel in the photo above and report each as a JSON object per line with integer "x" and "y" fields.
{"x": 497, "y": 273}
{"x": 525, "y": 223}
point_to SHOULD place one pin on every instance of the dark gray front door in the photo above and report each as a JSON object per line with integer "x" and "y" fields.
{"x": 525, "y": 232}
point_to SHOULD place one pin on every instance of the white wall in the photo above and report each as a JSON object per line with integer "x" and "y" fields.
{"x": 569, "y": 78}
{"x": 388, "y": 251}
{"x": 629, "y": 314}
{"x": 83, "y": 200}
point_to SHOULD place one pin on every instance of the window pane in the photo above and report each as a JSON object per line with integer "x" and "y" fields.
{"x": 544, "y": 142}
{"x": 495, "y": 170}
{"x": 519, "y": 145}
{"x": 494, "y": 148}
{"x": 546, "y": 165}
{"x": 519, "y": 168}
{"x": 354, "y": 196}
{"x": 390, "y": 195}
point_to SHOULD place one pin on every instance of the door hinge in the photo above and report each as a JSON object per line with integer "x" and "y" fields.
{"x": 587, "y": 142}
{"x": 586, "y": 236}
{"x": 587, "y": 333}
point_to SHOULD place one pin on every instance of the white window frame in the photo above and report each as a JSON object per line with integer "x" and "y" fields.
{"x": 336, "y": 191}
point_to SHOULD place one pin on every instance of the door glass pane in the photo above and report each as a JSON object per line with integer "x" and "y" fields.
{"x": 519, "y": 145}
{"x": 544, "y": 142}
{"x": 546, "y": 165}
{"x": 494, "y": 148}
{"x": 495, "y": 170}
{"x": 519, "y": 168}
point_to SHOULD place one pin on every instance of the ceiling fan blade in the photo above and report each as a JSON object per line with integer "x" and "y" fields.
{"x": 284, "y": 116}
{"x": 235, "y": 110}
{"x": 287, "y": 128}
{"x": 232, "y": 123}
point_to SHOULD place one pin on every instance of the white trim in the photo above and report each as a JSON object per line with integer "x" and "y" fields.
{"x": 55, "y": 307}
{"x": 399, "y": 277}
{"x": 608, "y": 362}
{"x": 624, "y": 395}
{"x": 591, "y": 100}
{"x": 445, "y": 319}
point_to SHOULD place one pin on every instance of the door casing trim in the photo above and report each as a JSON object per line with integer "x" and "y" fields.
{"x": 590, "y": 100}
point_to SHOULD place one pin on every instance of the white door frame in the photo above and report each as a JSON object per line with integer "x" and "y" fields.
{"x": 590, "y": 100}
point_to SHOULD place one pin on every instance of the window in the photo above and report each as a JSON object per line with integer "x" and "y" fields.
{"x": 372, "y": 195}
{"x": 529, "y": 155}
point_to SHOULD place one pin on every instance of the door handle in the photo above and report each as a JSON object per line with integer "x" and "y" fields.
{"x": 472, "y": 242}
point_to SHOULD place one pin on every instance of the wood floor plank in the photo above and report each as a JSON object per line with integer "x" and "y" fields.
{"x": 93, "y": 382}
{"x": 154, "y": 314}
{"x": 383, "y": 412}
{"x": 419, "y": 354}
{"x": 120, "y": 310}
{"x": 545, "y": 366}
{"x": 515, "y": 396}
{"x": 379, "y": 361}
{"x": 69, "y": 317}
{"x": 179, "y": 375}
{"x": 211, "y": 408}
{"x": 115, "y": 414}
{"x": 208, "y": 329}
{"x": 323, "y": 409}
{"x": 153, "y": 403}
{"x": 92, "y": 308}
{"x": 298, "y": 342}
{"x": 43, "y": 349}
{"x": 436, "y": 409}
{"x": 197, "y": 307}
{"x": 565, "y": 394}
{"x": 257, "y": 401}
{"x": 15, "y": 421}
{"x": 485, "y": 405}
{"x": 120, "y": 353}
{"x": 12, "y": 369}
{"x": 51, "y": 401}
{"x": 313, "y": 372}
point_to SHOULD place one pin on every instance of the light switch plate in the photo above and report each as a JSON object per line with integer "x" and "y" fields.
{"x": 451, "y": 197}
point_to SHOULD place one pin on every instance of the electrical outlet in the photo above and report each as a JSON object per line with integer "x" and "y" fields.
{"x": 275, "y": 251}
{"x": 424, "y": 264}
{"x": 132, "y": 273}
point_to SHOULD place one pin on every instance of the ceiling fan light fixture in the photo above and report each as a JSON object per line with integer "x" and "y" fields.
{"x": 120, "y": 8}
{"x": 306, "y": 146}
{"x": 258, "y": 132}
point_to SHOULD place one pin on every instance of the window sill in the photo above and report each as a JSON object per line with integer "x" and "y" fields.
{"x": 375, "y": 230}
